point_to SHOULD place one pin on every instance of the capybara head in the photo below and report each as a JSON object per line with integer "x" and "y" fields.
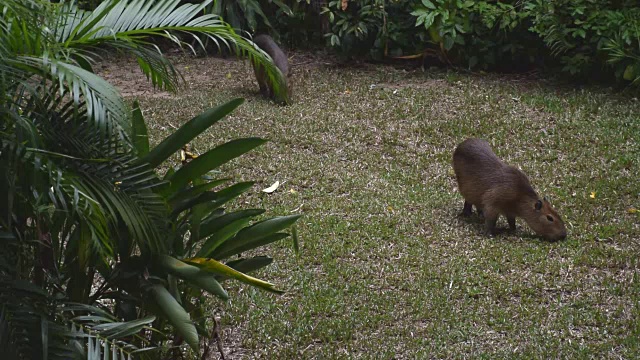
{"x": 545, "y": 221}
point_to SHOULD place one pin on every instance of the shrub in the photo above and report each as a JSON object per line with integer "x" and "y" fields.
{"x": 373, "y": 28}
{"x": 589, "y": 36}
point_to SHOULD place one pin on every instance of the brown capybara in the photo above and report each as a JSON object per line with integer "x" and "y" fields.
{"x": 266, "y": 43}
{"x": 496, "y": 188}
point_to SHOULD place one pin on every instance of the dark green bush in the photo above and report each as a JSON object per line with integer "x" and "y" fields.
{"x": 582, "y": 37}
{"x": 590, "y": 36}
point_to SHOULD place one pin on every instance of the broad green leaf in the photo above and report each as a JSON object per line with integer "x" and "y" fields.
{"x": 252, "y": 264}
{"x": 214, "y": 199}
{"x": 294, "y": 237}
{"x": 629, "y": 72}
{"x": 448, "y": 42}
{"x": 212, "y": 159}
{"x": 188, "y": 132}
{"x": 139, "y": 135}
{"x": 193, "y": 275}
{"x": 176, "y": 315}
{"x": 254, "y": 233}
{"x": 123, "y": 329}
{"x": 224, "y": 270}
{"x": 222, "y": 235}
{"x": 285, "y": 9}
{"x": 208, "y": 227}
{"x": 194, "y": 191}
{"x": 248, "y": 245}
{"x": 428, "y": 4}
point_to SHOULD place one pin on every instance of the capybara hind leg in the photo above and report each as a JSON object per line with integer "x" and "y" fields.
{"x": 466, "y": 210}
{"x": 512, "y": 222}
{"x": 490, "y": 219}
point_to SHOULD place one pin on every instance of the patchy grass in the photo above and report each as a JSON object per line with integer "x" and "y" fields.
{"x": 386, "y": 269}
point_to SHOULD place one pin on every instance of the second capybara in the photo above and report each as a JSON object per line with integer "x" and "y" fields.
{"x": 266, "y": 43}
{"x": 496, "y": 188}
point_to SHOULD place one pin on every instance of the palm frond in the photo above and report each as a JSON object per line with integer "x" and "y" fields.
{"x": 105, "y": 107}
{"x": 126, "y": 24}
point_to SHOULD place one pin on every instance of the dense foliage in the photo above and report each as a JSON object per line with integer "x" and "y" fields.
{"x": 99, "y": 254}
{"x": 582, "y": 37}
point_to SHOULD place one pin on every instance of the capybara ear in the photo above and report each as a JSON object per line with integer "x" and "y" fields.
{"x": 538, "y": 205}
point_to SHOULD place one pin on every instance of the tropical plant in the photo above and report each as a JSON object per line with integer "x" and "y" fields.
{"x": 248, "y": 15}
{"x": 355, "y": 25}
{"x": 90, "y": 235}
{"x": 445, "y": 20}
{"x": 589, "y": 36}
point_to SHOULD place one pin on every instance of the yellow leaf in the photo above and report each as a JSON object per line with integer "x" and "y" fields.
{"x": 222, "y": 269}
{"x": 632, "y": 210}
{"x": 228, "y": 75}
{"x": 593, "y": 195}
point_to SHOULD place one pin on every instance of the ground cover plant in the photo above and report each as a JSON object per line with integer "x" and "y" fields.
{"x": 386, "y": 268}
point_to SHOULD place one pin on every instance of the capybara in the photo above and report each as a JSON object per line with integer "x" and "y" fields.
{"x": 266, "y": 43}
{"x": 496, "y": 188}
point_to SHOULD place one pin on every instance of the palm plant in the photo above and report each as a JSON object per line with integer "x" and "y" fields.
{"x": 84, "y": 216}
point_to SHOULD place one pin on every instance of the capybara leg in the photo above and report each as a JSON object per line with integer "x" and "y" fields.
{"x": 466, "y": 210}
{"x": 490, "y": 218}
{"x": 264, "y": 87}
{"x": 512, "y": 223}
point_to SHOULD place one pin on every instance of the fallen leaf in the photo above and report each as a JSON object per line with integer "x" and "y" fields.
{"x": 293, "y": 191}
{"x": 344, "y": 4}
{"x": 632, "y": 210}
{"x": 272, "y": 188}
{"x": 593, "y": 195}
{"x": 228, "y": 75}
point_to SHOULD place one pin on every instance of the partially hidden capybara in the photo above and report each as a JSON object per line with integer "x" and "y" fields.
{"x": 266, "y": 43}
{"x": 496, "y": 188}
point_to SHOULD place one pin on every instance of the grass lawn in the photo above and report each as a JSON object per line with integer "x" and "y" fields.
{"x": 387, "y": 270}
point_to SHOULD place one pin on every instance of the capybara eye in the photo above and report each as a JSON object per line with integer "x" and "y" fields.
{"x": 550, "y": 218}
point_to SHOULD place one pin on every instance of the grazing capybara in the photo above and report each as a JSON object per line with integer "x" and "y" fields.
{"x": 266, "y": 43}
{"x": 496, "y": 188}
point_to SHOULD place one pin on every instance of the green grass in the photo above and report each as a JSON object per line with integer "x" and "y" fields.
{"x": 387, "y": 270}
